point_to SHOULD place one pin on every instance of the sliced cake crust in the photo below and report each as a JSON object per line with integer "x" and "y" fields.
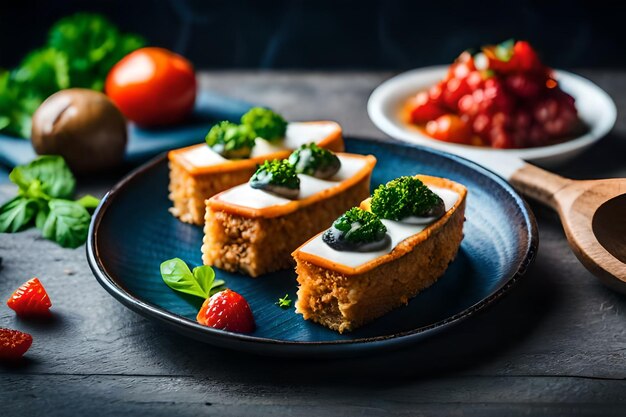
{"x": 190, "y": 185}
{"x": 258, "y": 241}
{"x": 343, "y": 298}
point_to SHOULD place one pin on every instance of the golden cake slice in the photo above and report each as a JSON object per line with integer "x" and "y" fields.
{"x": 344, "y": 289}
{"x": 198, "y": 172}
{"x": 254, "y": 231}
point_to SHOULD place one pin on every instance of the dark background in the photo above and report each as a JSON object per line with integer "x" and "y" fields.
{"x": 339, "y": 34}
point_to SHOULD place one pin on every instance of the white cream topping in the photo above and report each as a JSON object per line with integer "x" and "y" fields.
{"x": 246, "y": 196}
{"x": 297, "y": 134}
{"x": 398, "y": 231}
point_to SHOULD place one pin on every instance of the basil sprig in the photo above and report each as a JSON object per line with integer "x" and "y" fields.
{"x": 45, "y": 187}
{"x": 201, "y": 282}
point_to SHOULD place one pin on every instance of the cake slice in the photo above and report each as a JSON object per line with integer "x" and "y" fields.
{"x": 200, "y": 171}
{"x": 253, "y": 228}
{"x": 344, "y": 287}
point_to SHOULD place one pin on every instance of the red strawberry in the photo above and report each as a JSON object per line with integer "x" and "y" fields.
{"x": 13, "y": 344}
{"x": 524, "y": 85}
{"x": 227, "y": 310}
{"x": 501, "y": 138}
{"x": 474, "y": 80}
{"x": 425, "y": 109}
{"x": 556, "y": 114}
{"x": 435, "y": 94}
{"x": 450, "y": 128}
{"x": 30, "y": 299}
{"x": 461, "y": 67}
{"x": 526, "y": 57}
{"x": 481, "y": 125}
{"x": 496, "y": 98}
{"x": 455, "y": 89}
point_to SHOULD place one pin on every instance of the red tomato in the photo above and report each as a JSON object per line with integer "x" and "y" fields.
{"x": 450, "y": 128}
{"x": 152, "y": 86}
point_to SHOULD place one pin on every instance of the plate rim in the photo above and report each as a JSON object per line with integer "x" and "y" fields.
{"x": 224, "y": 338}
{"x": 378, "y": 117}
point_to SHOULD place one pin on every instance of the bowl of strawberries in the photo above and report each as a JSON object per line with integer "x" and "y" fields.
{"x": 502, "y": 99}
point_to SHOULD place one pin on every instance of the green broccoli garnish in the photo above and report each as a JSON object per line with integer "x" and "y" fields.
{"x": 265, "y": 123}
{"x": 231, "y": 140}
{"x": 312, "y": 160}
{"x": 357, "y": 230}
{"x": 278, "y": 177}
{"x": 405, "y": 197}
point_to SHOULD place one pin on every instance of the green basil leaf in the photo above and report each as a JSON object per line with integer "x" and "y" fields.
{"x": 67, "y": 224}
{"x": 205, "y": 276}
{"x": 54, "y": 177}
{"x": 88, "y": 201}
{"x": 17, "y": 214}
{"x": 177, "y": 275}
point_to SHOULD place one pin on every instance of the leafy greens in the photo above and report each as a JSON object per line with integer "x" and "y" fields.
{"x": 45, "y": 187}
{"x": 80, "y": 51}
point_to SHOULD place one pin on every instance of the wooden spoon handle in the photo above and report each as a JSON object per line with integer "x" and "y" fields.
{"x": 538, "y": 184}
{"x": 528, "y": 179}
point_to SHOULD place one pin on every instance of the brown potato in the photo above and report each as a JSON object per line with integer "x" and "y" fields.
{"x": 83, "y": 126}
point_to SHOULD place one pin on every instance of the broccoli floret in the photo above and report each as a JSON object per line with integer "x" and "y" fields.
{"x": 231, "y": 140}
{"x": 265, "y": 123}
{"x": 312, "y": 160}
{"x": 405, "y": 197}
{"x": 357, "y": 230}
{"x": 278, "y": 177}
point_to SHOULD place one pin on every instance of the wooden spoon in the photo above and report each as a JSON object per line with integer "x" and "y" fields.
{"x": 593, "y": 212}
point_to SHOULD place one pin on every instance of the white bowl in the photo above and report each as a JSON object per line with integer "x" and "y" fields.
{"x": 595, "y": 108}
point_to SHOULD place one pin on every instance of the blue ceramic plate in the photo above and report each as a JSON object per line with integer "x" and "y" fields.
{"x": 132, "y": 233}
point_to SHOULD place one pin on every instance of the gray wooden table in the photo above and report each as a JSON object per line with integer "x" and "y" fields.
{"x": 556, "y": 345}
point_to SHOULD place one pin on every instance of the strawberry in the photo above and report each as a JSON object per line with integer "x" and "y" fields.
{"x": 13, "y": 344}
{"x": 556, "y": 114}
{"x": 425, "y": 109}
{"x": 474, "y": 80}
{"x": 227, "y": 310}
{"x": 435, "y": 93}
{"x": 461, "y": 67}
{"x": 30, "y": 299}
{"x": 455, "y": 89}
{"x": 495, "y": 97}
{"x": 523, "y": 85}
{"x": 526, "y": 57}
{"x": 450, "y": 128}
{"x": 481, "y": 125}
